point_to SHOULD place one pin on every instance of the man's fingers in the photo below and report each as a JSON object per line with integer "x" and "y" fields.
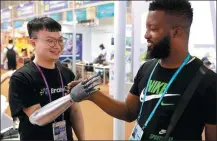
{"x": 70, "y": 85}
{"x": 73, "y": 83}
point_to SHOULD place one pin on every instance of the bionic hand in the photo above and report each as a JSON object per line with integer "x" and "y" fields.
{"x": 85, "y": 88}
{"x": 51, "y": 111}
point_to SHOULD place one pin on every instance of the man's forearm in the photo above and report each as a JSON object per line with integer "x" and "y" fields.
{"x": 77, "y": 121}
{"x": 3, "y": 77}
{"x": 210, "y": 132}
{"x": 6, "y": 75}
{"x": 114, "y": 108}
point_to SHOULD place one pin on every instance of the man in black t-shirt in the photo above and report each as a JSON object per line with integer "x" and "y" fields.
{"x": 41, "y": 82}
{"x": 161, "y": 82}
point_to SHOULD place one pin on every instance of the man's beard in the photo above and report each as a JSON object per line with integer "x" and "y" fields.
{"x": 159, "y": 50}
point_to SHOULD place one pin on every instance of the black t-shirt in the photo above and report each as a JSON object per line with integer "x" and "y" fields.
{"x": 28, "y": 88}
{"x": 200, "y": 110}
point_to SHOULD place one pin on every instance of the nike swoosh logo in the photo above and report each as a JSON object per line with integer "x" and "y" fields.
{"x": 154, "y": 96}
{"x": 162, "y": 132}
{"x": 150, "y": 97}
{"x": 165, "y": 104}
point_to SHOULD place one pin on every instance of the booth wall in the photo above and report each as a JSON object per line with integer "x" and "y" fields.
{"x": 86, "y": 35}
{"x": 101, "y": 35}
{"x": 92, "y": 38}
{"x": 202, "y": 37}
{"x": 139, "y": 13}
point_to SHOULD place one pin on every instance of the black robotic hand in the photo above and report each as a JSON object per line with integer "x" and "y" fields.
{"x": 85, "y": 88}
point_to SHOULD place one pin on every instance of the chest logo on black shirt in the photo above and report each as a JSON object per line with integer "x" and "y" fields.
{"x": 155, "y": 90}
{"x": 44, "y": 91}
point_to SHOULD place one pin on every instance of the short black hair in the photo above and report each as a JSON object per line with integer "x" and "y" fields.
{"x": 41, "y": 23}
{"x": 10, "y": 41}
{"x": 180, "y": 9}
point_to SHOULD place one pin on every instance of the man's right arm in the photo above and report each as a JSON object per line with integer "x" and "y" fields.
{"x": 22, "y": 97}
{"x": 127, "y": 110}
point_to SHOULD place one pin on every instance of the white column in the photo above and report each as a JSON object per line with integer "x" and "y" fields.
{"x": 119, "y": 63}
{"x": 74, "y": 40}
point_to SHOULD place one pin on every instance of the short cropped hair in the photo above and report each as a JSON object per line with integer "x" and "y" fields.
{"x": 181, "y": 10}
{"x": 41, "y": 23}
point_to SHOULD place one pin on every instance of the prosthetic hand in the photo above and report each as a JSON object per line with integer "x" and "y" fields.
{"x": 85, "y": 88}
{"x": 51, "y": 111}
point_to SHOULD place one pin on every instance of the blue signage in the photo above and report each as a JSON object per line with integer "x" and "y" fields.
{"x": 28, "y": 9}
{"x": 56, "y": 16}
{"x": 69, "y": 16}
{"x": 5, "y": 14}
{"x": 81, "y": 15}
{"x": 18, "y": 23}
{"x": 90, "y": 2}
{"x": 50, "y": 6}
{"x": 105, "y": 11}
{"x": 5, "y": 25}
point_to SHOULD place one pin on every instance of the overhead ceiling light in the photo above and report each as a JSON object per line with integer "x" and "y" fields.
{"x": 1, "y": 10}
{"x": 21, "y": 5}
{"x": 10, "y": 7}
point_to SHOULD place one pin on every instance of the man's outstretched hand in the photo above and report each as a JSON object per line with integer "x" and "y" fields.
{"x": 85, "y": 88}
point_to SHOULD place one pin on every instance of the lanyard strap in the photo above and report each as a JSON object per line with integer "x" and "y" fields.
{"x": 165, "y": 91}
{"x": 47, "y": 87}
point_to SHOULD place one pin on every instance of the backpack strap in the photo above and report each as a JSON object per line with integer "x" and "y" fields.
{"x": 185, "y": 100}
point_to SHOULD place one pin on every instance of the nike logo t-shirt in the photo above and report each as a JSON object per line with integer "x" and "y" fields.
{"x": 201, "y": 109}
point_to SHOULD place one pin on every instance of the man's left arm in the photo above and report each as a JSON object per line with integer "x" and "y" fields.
{"x": 210, "y": 110}
{"x": 77, "y": 121}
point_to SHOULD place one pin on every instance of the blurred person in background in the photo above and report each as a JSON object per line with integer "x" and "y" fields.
{"x": 10, "y": 54}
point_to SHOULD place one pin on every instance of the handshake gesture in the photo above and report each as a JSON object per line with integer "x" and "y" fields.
{"x": 51, "y": 111}
{"x": 83, "y": 89}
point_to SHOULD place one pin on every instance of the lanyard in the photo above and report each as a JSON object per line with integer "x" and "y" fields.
{"x": 165, "y": 91}
{"x": 48, "y": 89}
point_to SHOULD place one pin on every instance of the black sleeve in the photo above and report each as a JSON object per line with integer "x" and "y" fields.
{"x": 210, "y": 101}
{"x": 72, "y": 75}
{"x": 134, "y": 89}
{"x": 21, "y": 94}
